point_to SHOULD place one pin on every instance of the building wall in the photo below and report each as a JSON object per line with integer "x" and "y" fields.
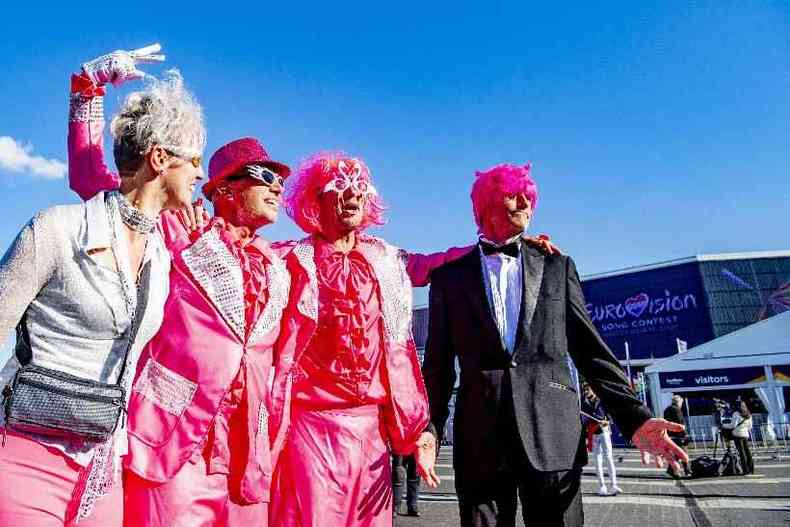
{"x": 706, "y": 300}
{"x": 742, "y": 292}
{"x": 649, "y": 310}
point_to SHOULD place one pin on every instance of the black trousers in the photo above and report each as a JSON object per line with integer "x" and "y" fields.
{"x": 548, "y": 499}
{"x": 404, "y": 471}
{"x": 745, "y": 454}
{"x": 682, "y": 442}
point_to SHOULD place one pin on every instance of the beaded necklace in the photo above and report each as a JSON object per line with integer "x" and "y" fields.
{"x": 133, "y": 217}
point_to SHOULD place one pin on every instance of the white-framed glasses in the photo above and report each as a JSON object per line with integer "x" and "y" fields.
{"x": 265, "y": 175}
{"x": 349, "y": 177}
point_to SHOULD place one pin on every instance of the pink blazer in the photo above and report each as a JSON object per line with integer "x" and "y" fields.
{"x": 187, "y": 369}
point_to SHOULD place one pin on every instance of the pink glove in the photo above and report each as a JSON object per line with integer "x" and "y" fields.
{"x": 120, "y": 66}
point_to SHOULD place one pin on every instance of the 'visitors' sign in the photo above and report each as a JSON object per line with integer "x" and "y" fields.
{"x": 705, "y": 378}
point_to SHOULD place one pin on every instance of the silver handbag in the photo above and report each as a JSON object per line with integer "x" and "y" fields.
{"x": 52, "y": 403}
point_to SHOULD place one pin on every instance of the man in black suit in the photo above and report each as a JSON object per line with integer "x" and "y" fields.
{"x": 513, "y": 317}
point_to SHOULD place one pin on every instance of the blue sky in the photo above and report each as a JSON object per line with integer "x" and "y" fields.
{"x": 657, "y": 130}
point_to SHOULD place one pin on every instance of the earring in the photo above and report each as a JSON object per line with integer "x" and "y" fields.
{"x": 162, "y": 173}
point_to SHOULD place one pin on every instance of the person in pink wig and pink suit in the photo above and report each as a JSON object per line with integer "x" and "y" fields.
{"x": 198, "y": 439}
{"x": 347, "y": 388}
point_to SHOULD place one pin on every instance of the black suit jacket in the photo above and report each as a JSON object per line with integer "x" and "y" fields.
{"x": 553, "y": 323}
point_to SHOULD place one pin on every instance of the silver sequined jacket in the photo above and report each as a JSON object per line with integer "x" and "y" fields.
{"x": 76, "y": 312}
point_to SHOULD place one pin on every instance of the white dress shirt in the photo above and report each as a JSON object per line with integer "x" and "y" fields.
{"x": 502, "y": 276}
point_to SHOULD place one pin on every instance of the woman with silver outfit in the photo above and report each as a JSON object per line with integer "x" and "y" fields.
{"x": 84, "y": 286}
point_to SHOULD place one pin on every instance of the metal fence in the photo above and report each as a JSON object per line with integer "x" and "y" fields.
{"x": 769, "y": 438}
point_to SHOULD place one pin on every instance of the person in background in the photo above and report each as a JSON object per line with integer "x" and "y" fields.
{"x": 599, "y": 440}
{"x": 740, "y": 434}
{"x": 674, "y": 414}
{"x": 404, "y": 473}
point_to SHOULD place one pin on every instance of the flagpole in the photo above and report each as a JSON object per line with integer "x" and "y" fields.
{"x": 628, "y": 363}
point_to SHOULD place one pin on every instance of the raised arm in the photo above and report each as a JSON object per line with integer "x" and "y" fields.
{"x": 88, "y": 174}
{"x": 420, "y": 266}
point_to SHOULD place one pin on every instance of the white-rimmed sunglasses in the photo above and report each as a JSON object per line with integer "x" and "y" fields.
{"x": 349, "y": 177}
{"x": 265, "y": 175}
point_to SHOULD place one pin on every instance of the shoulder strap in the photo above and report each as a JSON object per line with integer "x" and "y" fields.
{"x": 22, "y": 350}
{"x": 143, "y": 290}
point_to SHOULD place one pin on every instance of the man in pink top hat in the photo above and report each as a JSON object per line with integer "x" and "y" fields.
{"x": 198, "y": 440}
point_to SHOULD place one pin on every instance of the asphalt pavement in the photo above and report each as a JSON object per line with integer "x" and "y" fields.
{"x": 650, "y": 497}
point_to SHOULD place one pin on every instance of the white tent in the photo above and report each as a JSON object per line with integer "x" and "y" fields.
{"x": 746, "y": 358}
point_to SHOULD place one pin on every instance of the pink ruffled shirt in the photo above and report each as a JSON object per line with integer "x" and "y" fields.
{"x": 342, "y": 367}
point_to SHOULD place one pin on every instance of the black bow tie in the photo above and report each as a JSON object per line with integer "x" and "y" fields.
{"x": 510, "y": 249}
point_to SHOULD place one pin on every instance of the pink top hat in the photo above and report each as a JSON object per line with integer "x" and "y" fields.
{"x": 230, "y": 158}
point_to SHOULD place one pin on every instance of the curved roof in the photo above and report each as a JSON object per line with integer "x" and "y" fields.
{"x": 697, "y": 258}
{"x": 760, "y": 344}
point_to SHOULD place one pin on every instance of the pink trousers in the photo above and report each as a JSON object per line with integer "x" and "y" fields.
{"x": 37, "y": 489}
{"x": 192, "y": 498}
{"x": 334, "y": 471}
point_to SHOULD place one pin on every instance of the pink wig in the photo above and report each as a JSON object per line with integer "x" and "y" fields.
{"x": 492, "y": 185}
{"x": 304, "y": 188}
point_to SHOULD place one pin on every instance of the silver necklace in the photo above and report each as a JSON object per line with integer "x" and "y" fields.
{"x": 133, "y": 217}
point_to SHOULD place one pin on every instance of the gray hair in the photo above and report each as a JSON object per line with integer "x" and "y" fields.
{"x": 165, "y": 114}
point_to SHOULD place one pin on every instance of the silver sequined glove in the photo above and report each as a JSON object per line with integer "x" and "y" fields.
{"x": 120, "y": 66}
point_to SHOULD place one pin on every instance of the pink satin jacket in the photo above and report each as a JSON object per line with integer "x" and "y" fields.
{"x": 188, "y": 368}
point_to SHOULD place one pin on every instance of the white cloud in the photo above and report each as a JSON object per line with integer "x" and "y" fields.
{"x": 17, "y": 157}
